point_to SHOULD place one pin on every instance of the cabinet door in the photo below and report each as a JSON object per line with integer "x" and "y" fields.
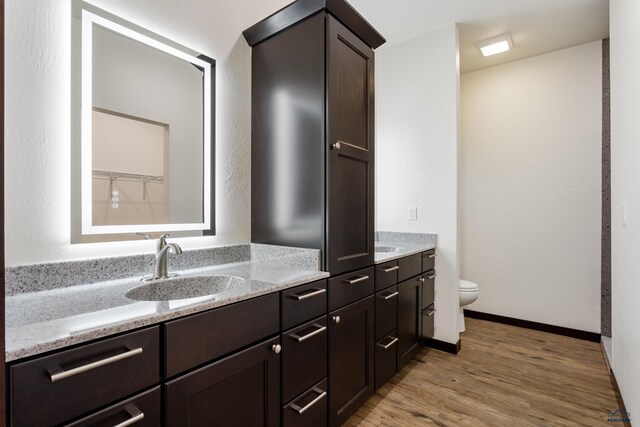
{"x": 409, "y": 309}
{"x": 350, "y": 152}
{"x": 350, "y": 359}
{"x": 240, "y": 390}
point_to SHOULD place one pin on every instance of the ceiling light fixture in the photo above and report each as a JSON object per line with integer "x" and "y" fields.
{"x": 495, "y": 45}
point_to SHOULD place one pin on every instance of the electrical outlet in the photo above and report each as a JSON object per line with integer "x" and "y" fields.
{"x": 413, "y": 213}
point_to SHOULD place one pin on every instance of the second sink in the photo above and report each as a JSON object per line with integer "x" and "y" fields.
{"x": 183, "y": 287}
{"x": 388, "y": 249}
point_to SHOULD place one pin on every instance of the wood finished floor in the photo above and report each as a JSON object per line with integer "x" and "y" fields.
{"x": 503, "y": 376}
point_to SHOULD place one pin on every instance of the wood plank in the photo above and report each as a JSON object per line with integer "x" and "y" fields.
{"x": 503, "y": 376}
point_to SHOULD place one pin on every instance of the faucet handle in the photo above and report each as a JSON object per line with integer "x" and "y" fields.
{"x": 162, "y": 242}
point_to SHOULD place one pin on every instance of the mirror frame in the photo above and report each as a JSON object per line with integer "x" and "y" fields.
{"x": 90, "y": 16}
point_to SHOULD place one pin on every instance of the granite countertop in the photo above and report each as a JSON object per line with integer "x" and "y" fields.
{"x": 402, "y": 250}
{"x": 404, "y": 244}
{"x": 45, "y": 320}
{"x": 52, "y": 306}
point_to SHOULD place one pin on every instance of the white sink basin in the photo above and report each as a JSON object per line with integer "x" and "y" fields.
{"x": 178, "y": 288}
{"x": 388, "y": 249}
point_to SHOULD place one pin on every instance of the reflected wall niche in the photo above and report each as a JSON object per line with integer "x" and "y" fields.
{"x": 143, "y": 122}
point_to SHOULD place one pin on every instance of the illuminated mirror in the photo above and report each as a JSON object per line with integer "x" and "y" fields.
{"x": 146, "y": 132}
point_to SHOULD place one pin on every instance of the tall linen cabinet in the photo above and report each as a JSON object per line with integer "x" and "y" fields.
{"x": 312, "y": 137}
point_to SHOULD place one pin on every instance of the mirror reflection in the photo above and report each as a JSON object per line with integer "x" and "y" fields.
{"x": 146, "y": 131}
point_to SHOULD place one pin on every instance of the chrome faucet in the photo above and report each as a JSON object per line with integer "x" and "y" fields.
{"x": 162, "y": 250}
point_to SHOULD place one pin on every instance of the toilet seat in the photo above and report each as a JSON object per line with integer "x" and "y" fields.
{"x": 468, "y": 292}
{"x": 467, "y": 286}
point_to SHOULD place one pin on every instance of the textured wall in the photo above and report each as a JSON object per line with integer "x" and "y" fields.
{"x": 38, "y": 119}
{"x": 417, "y": 97}
{"x": 530, "y": 187}
{"x": 605, "y": 309}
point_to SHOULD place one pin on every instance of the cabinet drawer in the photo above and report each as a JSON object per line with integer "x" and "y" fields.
{"x": 304, "y": 357}
{"x": 52, "y": 389}
{"x": 409, "y": 266}
{"x": 385, "y": 359}
{"x": 308, "y": 410}
{"x": 142, "y": 410}
{"x": 428, "y": 260}
{"x": 386, "y": 313}
{"x": 386, "y": 275}
{"x": 303, "y": 303}
{"x": 428, "y": 317}
{"x": 428, "y": 288}
{"x": 198, "y": 339}
{"x": 350, "y": 287}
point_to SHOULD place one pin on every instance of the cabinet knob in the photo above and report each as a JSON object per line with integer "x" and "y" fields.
{"x": 421, "y": 279}
{"x": 277, "y": 348}
{"x": 336, "y": 319}
{"x": 336, "y": 146}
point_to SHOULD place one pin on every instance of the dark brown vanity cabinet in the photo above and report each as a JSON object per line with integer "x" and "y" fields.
{"x": 351, "y": 369}
{"x": 304, "y": 355}
{"x": 409, "y": 309}
{"x": 404, "y": 311}
{"x": 386, "y": 320}
{"x": 313, "y": 131}
{"x": 428, "y": 295}
{"x": 242, "y": 389}
{"x": 231, "y": 365}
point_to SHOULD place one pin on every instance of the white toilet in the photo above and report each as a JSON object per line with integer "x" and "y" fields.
{"x": 468, "y": 294}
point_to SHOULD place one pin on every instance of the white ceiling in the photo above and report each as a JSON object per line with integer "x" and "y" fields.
{"x": 536, "y": 26}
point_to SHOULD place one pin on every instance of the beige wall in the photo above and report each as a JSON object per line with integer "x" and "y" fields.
{"x": 417, "y": 153}
{"x": 530, "y": 181}
{"x": 625, "y": 179}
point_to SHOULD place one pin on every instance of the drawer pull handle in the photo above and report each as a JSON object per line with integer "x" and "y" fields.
{"x": 299, "y": 410}
{"x": 136, "y": 415}
{"x": 61, "y": 374}
{"x": 433, "y": 276}
{"x": 430, "y": 256}
{"x": 320, "y": 330}
{"x": 300, "y": 297}
{"x": 386, "y": 347}
{"x": 390, "y": 269}
{"x": 358, "y": 280}
{"x": 430, "y": 313}
{"x": 391, "y": 295}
